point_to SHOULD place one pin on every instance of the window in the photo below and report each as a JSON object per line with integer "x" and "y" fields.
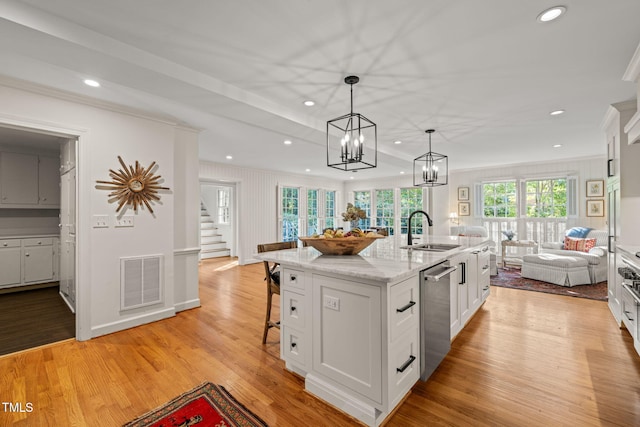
{"x": 330, "y": 209}
{"x": 223, "y": 206}
{"x": 312, "y": 212}
{"x": 385, "y": 210}
{"x": 410, "y": 200}
{"x": 500, "y": 199}
{"x": 290, "y": 203}
{"x": 546, "y": 198}
{"x": 362, "y": 200}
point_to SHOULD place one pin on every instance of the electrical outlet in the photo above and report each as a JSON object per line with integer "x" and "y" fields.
{"x": 332, "y": 303}
{"x": 124, "y": 221}
{"x": 101, "y": 221}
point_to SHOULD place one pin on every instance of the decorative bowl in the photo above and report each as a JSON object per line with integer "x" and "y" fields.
{"x": 340, "y": 245}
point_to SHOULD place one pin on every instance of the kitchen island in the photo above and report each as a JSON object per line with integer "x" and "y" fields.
{"x": 350, "y": 325}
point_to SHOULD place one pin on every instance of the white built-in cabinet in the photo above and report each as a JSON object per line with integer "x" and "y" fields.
{"x": 469, "y": 285}
{"x": 623, "y": 192}
{"x": 28, "y": 261}
{"x": 29, "y": 181}
{"x": 359, "y": 336}
{"x": 67, "y": 179}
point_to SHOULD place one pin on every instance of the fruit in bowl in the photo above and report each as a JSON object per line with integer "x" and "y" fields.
{"x": 337, "y": 242}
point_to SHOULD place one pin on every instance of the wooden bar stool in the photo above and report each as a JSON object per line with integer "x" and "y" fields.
{"x": 272, "y": 276}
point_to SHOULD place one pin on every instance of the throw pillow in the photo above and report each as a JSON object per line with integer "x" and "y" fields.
{"x": 581, "y": 245}
{"x": 580, "y": 232}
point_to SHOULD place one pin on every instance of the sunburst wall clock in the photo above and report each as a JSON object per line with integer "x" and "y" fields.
{"x": 135, "y": 186}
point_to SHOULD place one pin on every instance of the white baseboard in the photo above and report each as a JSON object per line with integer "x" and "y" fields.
{"x": 132, "y": 322}
{"x": 187, "y": 305}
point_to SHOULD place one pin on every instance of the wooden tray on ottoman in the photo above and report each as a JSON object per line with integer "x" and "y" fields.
{"x": 340, "y": 245}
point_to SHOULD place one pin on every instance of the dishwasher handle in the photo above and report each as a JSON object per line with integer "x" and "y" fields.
{"x": 439, "y": 276}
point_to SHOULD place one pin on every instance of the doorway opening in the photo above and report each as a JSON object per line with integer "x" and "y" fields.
{"x": 37, "y": 237}
{"x": 218, "y": 225}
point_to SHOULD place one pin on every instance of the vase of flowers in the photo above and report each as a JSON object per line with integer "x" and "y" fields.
{"x": 353, "y": 215}
{"x": 509, "y": 234}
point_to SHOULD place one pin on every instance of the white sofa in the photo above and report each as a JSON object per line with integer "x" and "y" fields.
{"x": 596, "y": 257}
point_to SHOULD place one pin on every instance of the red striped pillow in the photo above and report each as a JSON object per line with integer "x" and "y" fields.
{"x": 582, "y": 245}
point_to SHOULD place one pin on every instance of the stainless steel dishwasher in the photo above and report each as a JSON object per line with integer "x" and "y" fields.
{"x": 435, "y": 318}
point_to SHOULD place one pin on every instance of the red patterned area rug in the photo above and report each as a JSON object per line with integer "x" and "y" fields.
{"x": 208, "y": 405}
{"x": 511, "y": 278}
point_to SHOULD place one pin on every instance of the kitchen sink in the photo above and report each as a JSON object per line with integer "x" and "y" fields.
{"x": 433, "y": 247}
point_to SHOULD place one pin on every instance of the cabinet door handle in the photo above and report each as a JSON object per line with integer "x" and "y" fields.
{"x": 406, "y": 364}
{"x": 406, "y": 307}
{"x": 609, "y": 244}
{"x": 5, "y": 244}
{"x": 485, "y": 288}
{"x": 626, "y": 313}
{"x": 293, "y": 345}
{"x": 484, "y": 267}
{"x": 292, "y": 277}
{"x": 610, "y": 171}
{"x": 293, "y": 308}
{"x": 464, "y": 273}
{"x": 27, "y": 254}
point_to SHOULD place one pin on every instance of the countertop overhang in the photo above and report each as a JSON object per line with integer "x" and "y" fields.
{"x": 382, "y": 261}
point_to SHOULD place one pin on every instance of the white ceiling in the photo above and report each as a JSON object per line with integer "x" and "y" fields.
{"x": 484, "y": 74}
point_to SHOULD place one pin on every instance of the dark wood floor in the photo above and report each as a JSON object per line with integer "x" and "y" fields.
{"x": 526, "y": 359}
{"x": 31, "y": 318}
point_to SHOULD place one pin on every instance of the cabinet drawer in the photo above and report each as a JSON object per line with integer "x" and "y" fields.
{"x": 293, "y": 345}
{"x": 629, "y": 312}
{"x": 38, "y": 241}
{"x": 404, "y": 303}
{"x": 10, "y": 243}
{"x": 404, "y": 366}
{"x": 293, "y": 278}
{"x": 293, "y": 309}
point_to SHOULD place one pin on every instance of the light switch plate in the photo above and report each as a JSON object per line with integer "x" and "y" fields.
{"x": 101, "y": 221}
{"x": 124, "y": 221}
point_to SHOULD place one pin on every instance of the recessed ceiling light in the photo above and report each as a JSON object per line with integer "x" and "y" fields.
{"x": 401, "y": 172}
{"x": 557, "y": 146}
{"x": 307, "y": 170}
{"x": 551, "y": 14}
{"x": 309, "y": 103}
{"x": 350, "y": 177}
{"x": 397, "y": 142}
{"x": 556, "y": 112}
{"x": 287, "y": 142}
{"x": 229, "y": 157}
{"x": 91, "y": 83}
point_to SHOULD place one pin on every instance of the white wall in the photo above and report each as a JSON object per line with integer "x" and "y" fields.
{"x": 256, "y": 192}
{"x": 104, "y": 134}
{"x": 585, "y": 169}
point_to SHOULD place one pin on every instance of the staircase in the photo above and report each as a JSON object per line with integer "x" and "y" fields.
{"x": 211, "y": 245}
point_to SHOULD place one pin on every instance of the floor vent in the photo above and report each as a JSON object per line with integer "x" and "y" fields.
{"x": 140, "y": 281}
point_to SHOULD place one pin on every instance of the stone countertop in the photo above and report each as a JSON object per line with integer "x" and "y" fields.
{"x": 629, "y": 252}
{"x": 381, "y": 261}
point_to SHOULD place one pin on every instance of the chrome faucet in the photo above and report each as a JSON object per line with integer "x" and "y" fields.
{"x": 409, "y": 236}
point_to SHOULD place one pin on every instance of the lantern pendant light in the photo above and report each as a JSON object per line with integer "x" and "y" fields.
{"x": 352, "y": 140}
{"x": 431, "y": 169}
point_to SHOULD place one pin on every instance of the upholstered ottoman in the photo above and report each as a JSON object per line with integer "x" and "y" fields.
{"x": 557, "y": 269}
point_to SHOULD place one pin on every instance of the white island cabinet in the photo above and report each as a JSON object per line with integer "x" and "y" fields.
{"x": 350, "y": 325}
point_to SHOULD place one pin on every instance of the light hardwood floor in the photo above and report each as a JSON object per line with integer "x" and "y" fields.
{"x": 525, "y": 359}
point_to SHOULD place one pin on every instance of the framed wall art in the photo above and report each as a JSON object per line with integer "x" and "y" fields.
{"x": 595, "y": 188}
{"x": 595, "y": 207}
{"x": 464, "y": 209}
{"x": 463, "y": 193}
